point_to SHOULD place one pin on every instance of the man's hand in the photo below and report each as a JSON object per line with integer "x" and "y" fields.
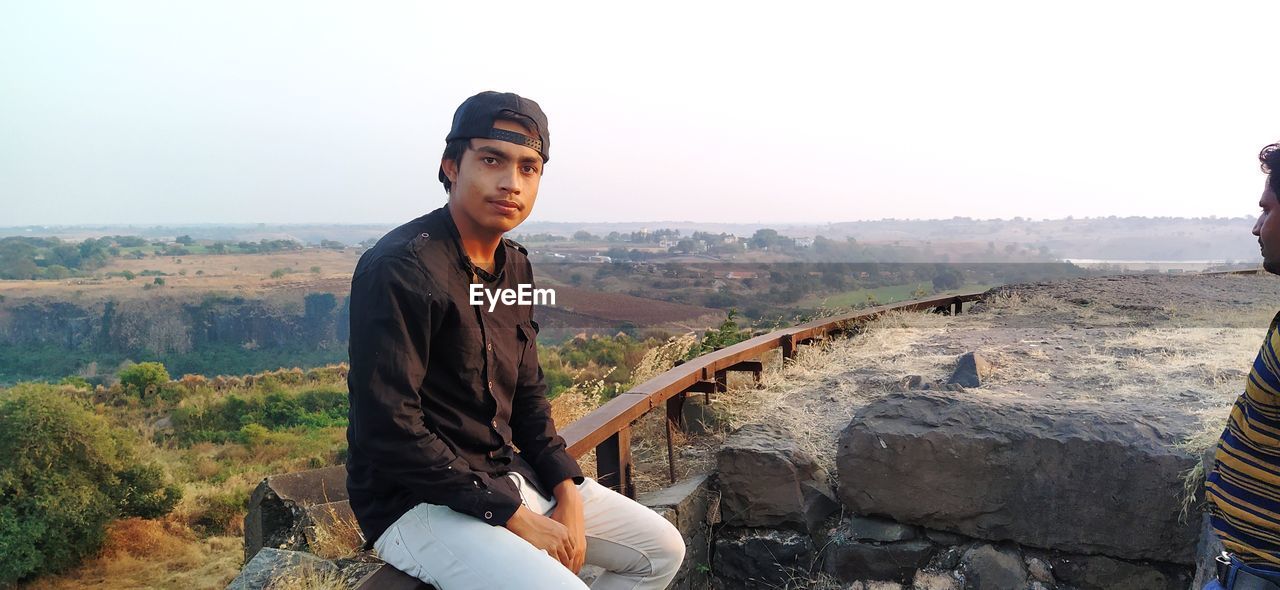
{"x": 568, "y": 511}
{"x": 543, "y": 533}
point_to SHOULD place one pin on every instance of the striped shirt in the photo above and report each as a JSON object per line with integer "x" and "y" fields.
{"x": 1244, "y": 488}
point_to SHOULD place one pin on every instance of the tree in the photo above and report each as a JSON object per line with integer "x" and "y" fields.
{"x": 947, "y": 279}
{"x": 67, "y": 473}
{"x": 184, "y": 240}
{"x": 143, "y": 378}
{"x": 583, "y": 235}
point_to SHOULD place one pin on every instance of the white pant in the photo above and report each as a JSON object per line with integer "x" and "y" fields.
{"x": 638, "y": 549}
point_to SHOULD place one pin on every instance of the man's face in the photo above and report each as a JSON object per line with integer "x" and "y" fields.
{"x": 496, "y": 183}
{"x": 1268, "y": 230}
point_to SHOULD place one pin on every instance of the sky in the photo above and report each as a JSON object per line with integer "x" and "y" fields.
{"x": 162, "y": 112}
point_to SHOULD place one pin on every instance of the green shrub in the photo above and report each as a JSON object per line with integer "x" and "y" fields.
{"x": 144, "y": 379}
{"x": 67, "y": 473}
{"x": 247, "y": 419}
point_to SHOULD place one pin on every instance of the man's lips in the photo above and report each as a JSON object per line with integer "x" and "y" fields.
{"x": 505, "y": 207}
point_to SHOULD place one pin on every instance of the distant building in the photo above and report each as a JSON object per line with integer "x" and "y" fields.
{"x": 598, "y": 258}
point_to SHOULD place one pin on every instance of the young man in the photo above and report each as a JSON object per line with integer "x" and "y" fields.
{"x": 1244, "y": 487}
{"x": 456, "y": 474}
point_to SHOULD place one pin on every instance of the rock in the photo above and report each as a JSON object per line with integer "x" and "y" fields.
{"x": 945, "y": 538}
{"x": 1039, "y": 570}
{"x": 685, "y": 504}
{"x": 878, "y": 585}
{"x": 971, "y": 369}
{"x": 284, "y": 509}
{"x": 699, "y": 417}
{"x": 988, "y": 568}
{"x": 271, "y": 565}
{"x": 849, "y": 560}
{"x": 911, "y": 382}
{"x": 767, "y": 481}
{"x": 753, "y": 559}
{"x": 866, "y": 528}
{"x": 164, "y": 423}
{"x": 926, "y": 580}
{"x": 1097, "y": 572}
{"x": 1079, "y": 477}
{"x": 1209, "y": 547}
{"x": 1038, "y": 585}
{"x": 947, "y": 558}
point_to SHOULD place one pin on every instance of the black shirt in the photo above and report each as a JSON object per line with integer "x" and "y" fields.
{"x": 441, "y": 390}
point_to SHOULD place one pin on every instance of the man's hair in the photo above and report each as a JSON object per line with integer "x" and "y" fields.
{"x": 1270, "y": 158}
{"x": 453, "y": 150}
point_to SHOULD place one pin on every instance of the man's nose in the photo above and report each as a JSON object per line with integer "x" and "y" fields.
{"x": 1257, "y": 227}
{"x": 511, "y": 181}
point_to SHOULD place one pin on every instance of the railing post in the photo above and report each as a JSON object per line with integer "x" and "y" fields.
{"x": 613, "y": 463}
{"x": 788, "y": 346}
{"x": 675, "y": 418}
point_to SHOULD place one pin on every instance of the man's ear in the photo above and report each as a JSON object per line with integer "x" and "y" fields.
{"x": 450, "y": 167}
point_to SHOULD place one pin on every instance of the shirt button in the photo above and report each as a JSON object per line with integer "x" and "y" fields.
{"x": 495, "y": 423}
{"x": 490, "y": 385}
{"x": 488, "y": 515}
{"x": 489, "y": 346}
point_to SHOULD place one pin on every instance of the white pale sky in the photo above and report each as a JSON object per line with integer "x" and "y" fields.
{"x": 289, "y": 111}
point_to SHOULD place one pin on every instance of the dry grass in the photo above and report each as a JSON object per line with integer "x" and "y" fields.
{"x": 308, "y": 577}
{"x": 817, "y": 392}
{"x": 336, "y": 536}
{"x": 154, "y": 554}
{"x": 244, "y": 274}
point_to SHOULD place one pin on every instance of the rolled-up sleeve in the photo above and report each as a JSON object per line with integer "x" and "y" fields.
{"x": 392, "y": 319}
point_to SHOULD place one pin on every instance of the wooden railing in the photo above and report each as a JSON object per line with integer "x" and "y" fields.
{"x": 287, "y": 505}
{"x": 607, "y": 429}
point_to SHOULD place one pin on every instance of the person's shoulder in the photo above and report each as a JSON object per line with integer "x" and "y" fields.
{"x": 402, "y": 248}
{"x": 517, "y": 246}
{"x": 518, "y": 257}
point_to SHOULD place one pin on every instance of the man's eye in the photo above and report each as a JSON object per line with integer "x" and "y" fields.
{"x": 530, "y": 169}
{"x": 489, "y": 160}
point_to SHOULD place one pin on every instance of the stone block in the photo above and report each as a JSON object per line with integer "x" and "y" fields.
{"x": 278, "y": 508}
{"x": 767, "y": 481}
{"x": 987, "y": 567}
{"x": 759, "y": 559}
{"x": 1078, "y": 477}
{"x": 271, "y": 565}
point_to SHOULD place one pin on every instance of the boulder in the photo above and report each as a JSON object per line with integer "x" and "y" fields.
{"x": 751, "y": 559}
{"x": 1039, "y": 570}
{"x": 767, "y": 481}
{"x": 987, "y": 567}
{"x": 1073, "y": 476}
{"x": 1097, "y": 572}
{"x": 867, "y": 528}
{"x": 285, "y": 509}
{"x": 698, "y": 417}
{"x": 927, "y": 580}
{"x": 971, "y": 370}
{"x": 276, "y": 566}
{"x": 848, "y": 560}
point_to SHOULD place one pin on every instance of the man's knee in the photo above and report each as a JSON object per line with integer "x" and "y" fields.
{"x": 670, "y": 550}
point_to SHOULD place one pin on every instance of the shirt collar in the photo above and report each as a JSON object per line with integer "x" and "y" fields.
{"x": 464, "y": 261}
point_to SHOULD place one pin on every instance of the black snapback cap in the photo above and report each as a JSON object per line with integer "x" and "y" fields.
{"x": 475, "y": 117}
